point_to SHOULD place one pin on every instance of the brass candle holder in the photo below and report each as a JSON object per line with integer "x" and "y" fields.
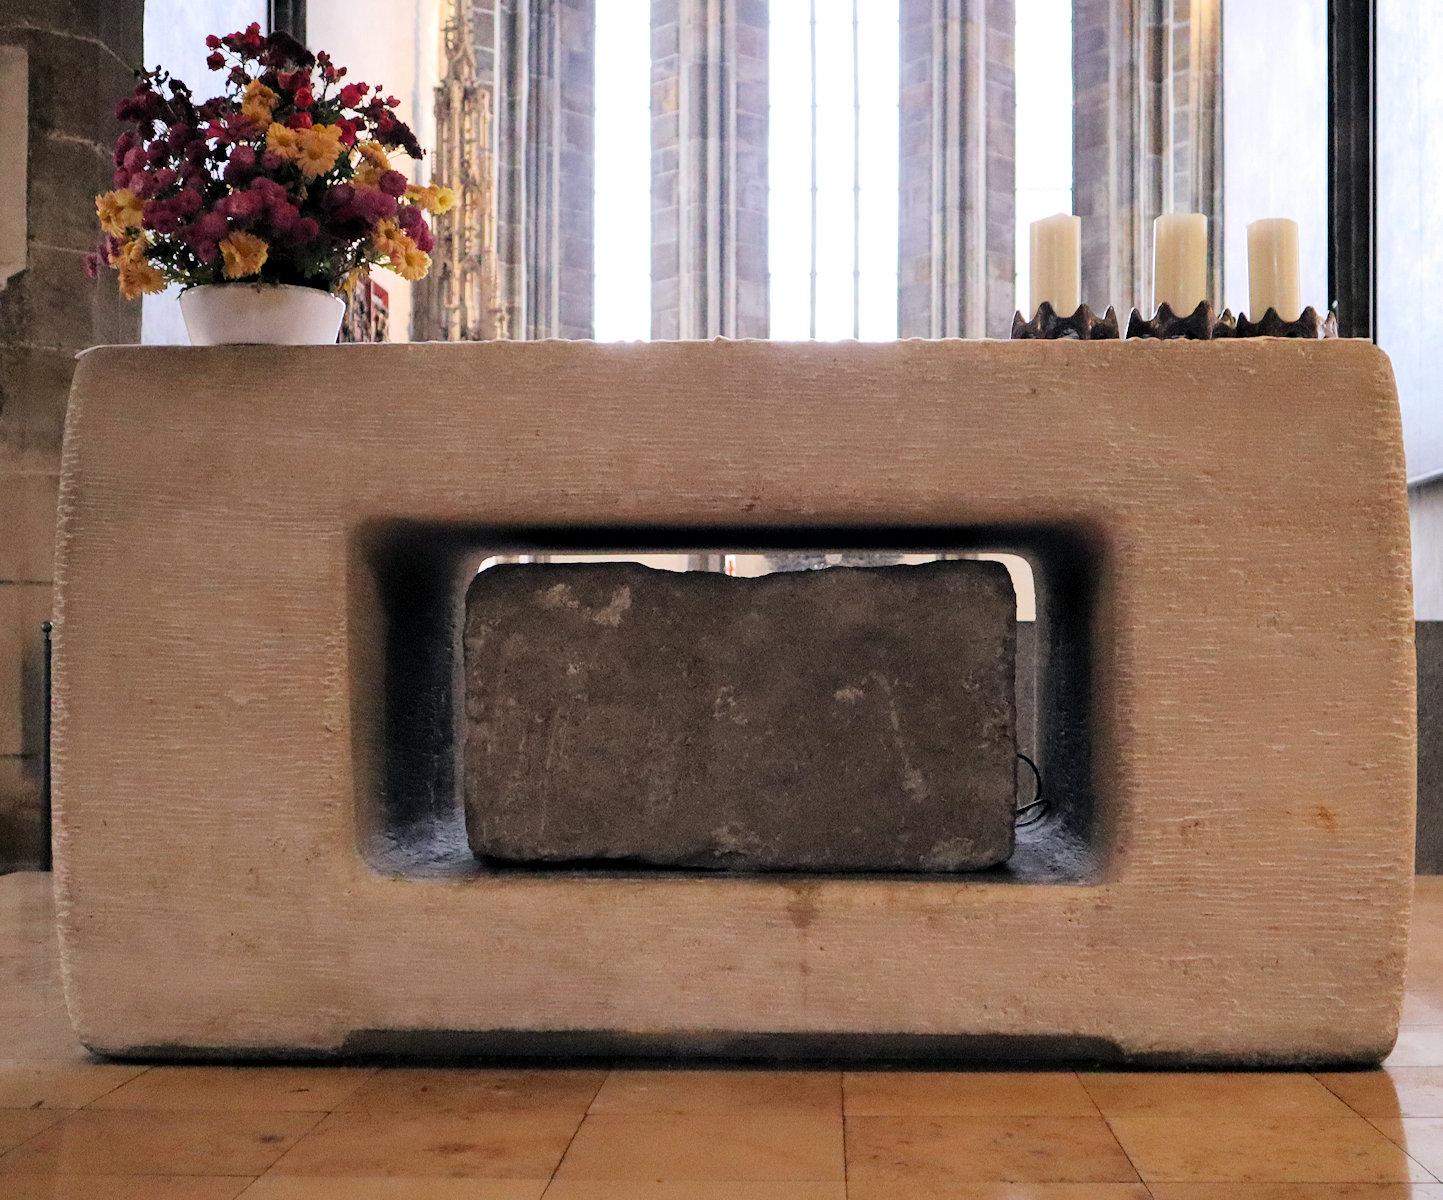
{"x": 1308, "y": 325}
{"x": 1084, "y": 325}
{"x": 1197, "y": 325}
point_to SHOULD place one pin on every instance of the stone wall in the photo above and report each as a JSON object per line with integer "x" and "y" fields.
{"x": 1146, "y": 132}
{"x": 542, "y": 67}
{"x": 958, "y": 168}
{"x": 81, "y": 58}
{"x": 709, "y": 106}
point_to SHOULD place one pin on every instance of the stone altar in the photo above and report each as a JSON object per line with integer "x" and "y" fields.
{"x": 259, "y": 577}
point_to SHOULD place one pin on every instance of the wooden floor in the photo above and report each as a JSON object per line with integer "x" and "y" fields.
{"x": 77, "y": 1128}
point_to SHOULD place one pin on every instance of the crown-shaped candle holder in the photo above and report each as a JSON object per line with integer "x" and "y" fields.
{"x": 1308, "y": 325}
{"x": 1196, "y": 326}
{"x": 1084, "y": 325}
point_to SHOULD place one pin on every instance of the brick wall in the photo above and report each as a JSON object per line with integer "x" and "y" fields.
{"x": 81, "y": 58}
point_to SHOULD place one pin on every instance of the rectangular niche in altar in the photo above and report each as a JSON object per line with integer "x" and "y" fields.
{"x": 420, "y": 576}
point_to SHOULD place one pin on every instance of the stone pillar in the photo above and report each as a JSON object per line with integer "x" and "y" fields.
{"x": 709, "y": 102}
{"x": 957, "y": 200}
{"x": 80, "y": 60}
{"x": 544, "y": 68}
{"x": 289, "y": 16}
{"x": 1193, "y": 177}
{"x": 1147, "y": 136}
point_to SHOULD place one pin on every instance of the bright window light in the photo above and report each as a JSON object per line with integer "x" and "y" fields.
{"x": 1043, "y": 50}
{"x": 622, "y": 287}
{"x": 833, "y": 168}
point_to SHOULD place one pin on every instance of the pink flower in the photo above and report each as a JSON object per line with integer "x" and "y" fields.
{"x": 213, "y": 226}
{"x": 351, "y": 94}
{"x": 305, "y": 97}
{"x": 283, "y": 216}
{"x": 187, "y": 202}
{"x": 134, "y": 159}
{"x": 303, "y": 231}
{"x": 271, "y": 161}
{"x": 179, "y": 137}
{"x": 212, "y": 42}
{"x": 161, "y": 217}
{"x": 393, "y": 183}
{"x": 374, "y": 205}
{"x": 215, "y": 61}
{"x": 164, "y": 178}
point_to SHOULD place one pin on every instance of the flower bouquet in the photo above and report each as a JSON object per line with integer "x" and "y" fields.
{"x": 283, "y": 180}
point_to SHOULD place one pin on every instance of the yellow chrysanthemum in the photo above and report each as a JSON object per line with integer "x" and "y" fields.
{"x": 130, "y": 252}
{"x": 414, "y": 263}
{"x": 375, "y": 154}
{"x": 367, "y": 176}
{"x": 433, "y": 199}
{"x": 244, "y": 254}
{"x": 318, "y": 149}
{"x": 390, "y": 241}
{"x": 119, "y": 211}
{"x": 138, "y": 275}
{"x": 258, "y": 102}
{"x": 283, "y": 141}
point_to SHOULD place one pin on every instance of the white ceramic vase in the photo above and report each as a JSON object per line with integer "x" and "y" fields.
{"x": 273, "y": 314}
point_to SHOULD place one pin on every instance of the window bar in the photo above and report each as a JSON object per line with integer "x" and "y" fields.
{"x": 288, "y": 16}
{"x": 812, "y": 34}
{"x": 856, "y": 181}
{"x": 1352, "y": 166}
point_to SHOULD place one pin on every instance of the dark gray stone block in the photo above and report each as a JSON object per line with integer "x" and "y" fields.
{"x": 1429, "y": 855}
{"x": 845, "y": 719}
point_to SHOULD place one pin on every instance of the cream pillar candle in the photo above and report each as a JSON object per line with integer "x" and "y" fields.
{"x": 1273, "y": 268}
{"x": 1056, "y": 264}
{"x": 1179, "y": 261}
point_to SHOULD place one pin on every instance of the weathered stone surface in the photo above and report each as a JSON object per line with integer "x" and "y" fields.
{"x": 1247, "y": 651}
{"x": 845, "y": 719}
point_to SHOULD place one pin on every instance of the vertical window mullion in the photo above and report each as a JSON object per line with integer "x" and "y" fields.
{"x": 812, "y": 65}
{"x": 856, "y": 179}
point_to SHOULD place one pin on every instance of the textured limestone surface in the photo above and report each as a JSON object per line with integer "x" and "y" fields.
{"x": 220, "y": 685}
{"x": 844, "y": 719}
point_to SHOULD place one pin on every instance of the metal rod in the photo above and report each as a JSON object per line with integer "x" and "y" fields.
{"x": 856, "y": 182}
{"x": 47, "y": 858}
{"x": 288, "y": 16}
{"x": 812, "y": 34}
{"x": 1352, "y": 166}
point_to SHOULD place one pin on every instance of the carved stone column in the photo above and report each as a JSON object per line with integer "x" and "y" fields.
{"x": 1146, "y": 128}
{"x": 958, "y": 168}
{"x": 709, "y": 103}
{"x": 545, "y": 106}
{"x": 461, "y": 299}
